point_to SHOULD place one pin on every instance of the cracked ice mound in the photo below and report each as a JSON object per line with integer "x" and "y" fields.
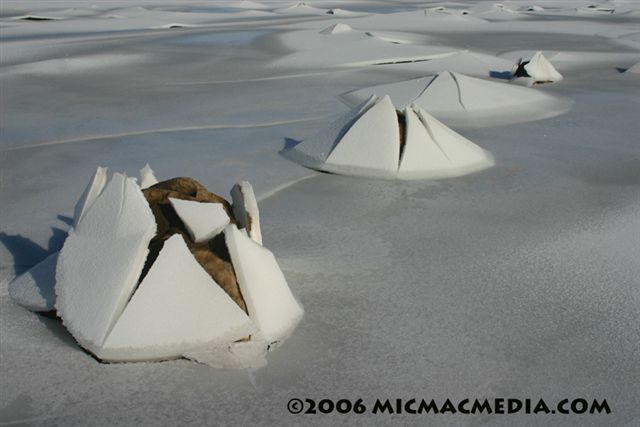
{"x": 467, "y": 101}
{"x": 537, "y": 70}
{"x": 166, "y": 272}
{"x": 377, "y": 141}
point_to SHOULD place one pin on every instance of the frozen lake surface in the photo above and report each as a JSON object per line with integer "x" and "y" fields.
{"x": 522, "y": 280}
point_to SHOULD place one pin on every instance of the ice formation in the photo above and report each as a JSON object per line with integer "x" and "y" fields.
{"x": 147, "y": 177}
{"x": 455, "y": 95}
{"x": 245, "y": 210}
{"x": 538, "y": 68}
{"x": 176, "y": 308}
{"x": 634, "y": 69}
{"x": 101, "y": 261}
{"x": 137, "y": 277}
{"x": 336, "y": 29}
{"x": 270, "y": 303}
{"x": 375, "y": 140}
{"x": 90, "y": 194}
{"x": 203, "y": 220}
{"x": 35, "y": 289}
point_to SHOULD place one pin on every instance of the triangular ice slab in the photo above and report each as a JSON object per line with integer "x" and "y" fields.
{"x": 177, "y": 308}
{"x": 541, "y": 70}
{"x": 464, "y": 156}
{"x": 101, "y": 261}
{"x": 269, "y": 300}
{"x": 35, "y": 289}
{"x": 245, "y": 210}
{"x": 371, "y": 147}
{"x": 422, "y": 157}
{"x": 203, "y": 220}
{"x": 313, "y": 152}
{"x": 634, "y": 69}
{"x": 336, "y": 29}
{"x": 90, "y": 194}
{"x": 147, "y": 177}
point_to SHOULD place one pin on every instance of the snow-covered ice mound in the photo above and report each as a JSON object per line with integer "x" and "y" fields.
{"x": 458, "y": 97}
{"x": 340, "y": 45}
{"x": 376, "y": 140}
{"x": 336, "y": 29}
{"x": 301, "y": 8}
{"x": 166, "y": 272}
{"x": 634, "y": 69}
{"x": 538, "y": 69}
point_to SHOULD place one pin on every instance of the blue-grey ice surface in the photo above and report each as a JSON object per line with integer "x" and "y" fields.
{"x": 519, "y": 281}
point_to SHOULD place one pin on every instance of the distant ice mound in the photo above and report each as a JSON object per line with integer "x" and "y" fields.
{"x": 375, "y": 140}
{"x": 342, "y": 12}
{"x": 301, "y": 8}
{"x": 538, "y": 69}
{"x": 634, "y": 69}
{"x": 336, "y": 29}
{"x": 461, "y": 98}
{"x": 351, "y": 48}
{"x": 165, "y": 272}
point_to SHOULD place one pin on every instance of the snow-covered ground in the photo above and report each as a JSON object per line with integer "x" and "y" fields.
{"x": 522, "y": 280}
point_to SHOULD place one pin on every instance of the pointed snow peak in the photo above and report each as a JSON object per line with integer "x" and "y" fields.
{"x": 177, "y": 307}
{"x": 245, "y": 210}
{"x": 383, "y": 142}
{"x": 336, "y": 29}
{"x": 147, "y": 177}
{"x": 90, "y": 194}
{"x": 539, "y": 69}
{"x": 101, "y": 261}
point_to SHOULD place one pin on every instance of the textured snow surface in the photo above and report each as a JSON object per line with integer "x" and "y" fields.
{"x": 203, "y": 220}
{"x": 177, "y": 308}
{"x": 101, "y": 261}
{"x": 518, "y": 281}
{"x": 270, "y": 303}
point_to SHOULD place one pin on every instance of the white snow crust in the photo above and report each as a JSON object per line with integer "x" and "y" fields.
{"x": 458, "y": 97}
{"x": 177, "y": 308}
{"x": 541, "y": 70}
{"x": 203, "y": 220}
{"x": 269, "y": 300}
{"x": 91, "y": 193}
{"x": 101, "y": 260}
{"x": 245, "y": 210}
